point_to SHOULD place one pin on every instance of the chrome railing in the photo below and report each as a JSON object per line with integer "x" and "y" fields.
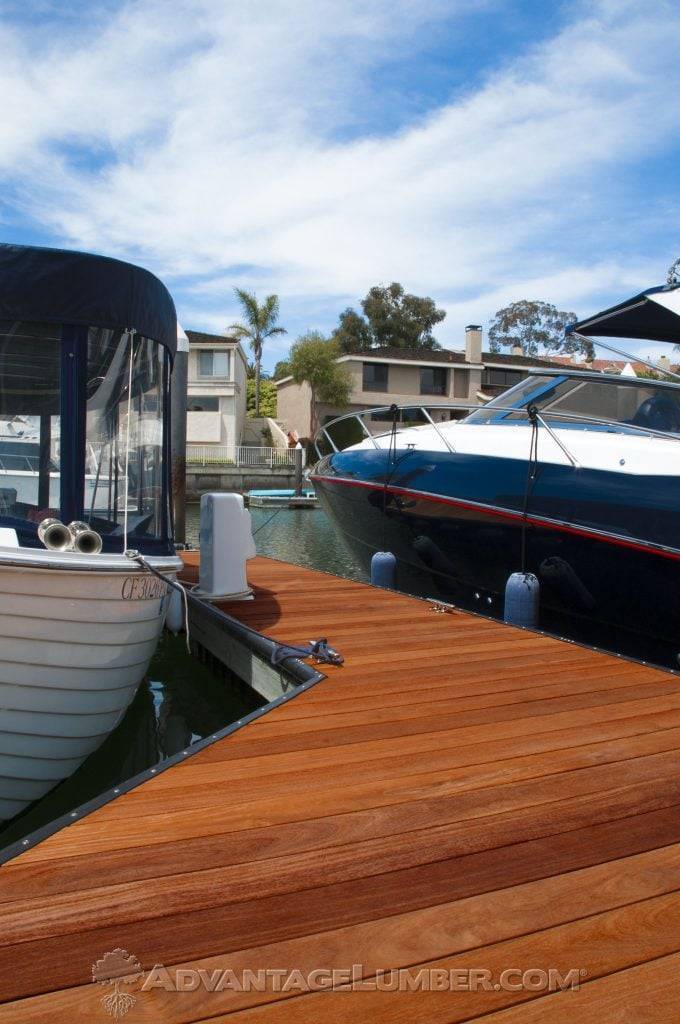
{"x": 422, "y": 411}
{"x": 426, "y": 420}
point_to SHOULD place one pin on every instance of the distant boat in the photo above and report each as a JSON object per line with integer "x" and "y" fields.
{"x": 593, "y": 512}
{"x": 86, "y": 349}
{"x": 282, "y": 498}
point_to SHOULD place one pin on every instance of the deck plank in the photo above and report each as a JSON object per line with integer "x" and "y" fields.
{"x": 459, "y": 793}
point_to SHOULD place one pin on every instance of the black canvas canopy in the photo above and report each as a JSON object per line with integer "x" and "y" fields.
{"x": 653, "y": 315}
{"x": 60, "y": 286}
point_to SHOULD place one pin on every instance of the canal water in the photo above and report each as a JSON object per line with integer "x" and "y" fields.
{"x": 181, "y": 700}
{"x": 302, "y": 536}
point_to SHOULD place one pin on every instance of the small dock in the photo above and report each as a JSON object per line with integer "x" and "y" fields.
{"x": 282, "y": 498}
{"x": 459, "y": 797}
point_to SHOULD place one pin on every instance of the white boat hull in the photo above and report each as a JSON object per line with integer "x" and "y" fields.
{"x": 77, "y": 634}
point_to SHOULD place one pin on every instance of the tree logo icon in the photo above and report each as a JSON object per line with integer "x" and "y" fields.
{"x": 117, "y": 968}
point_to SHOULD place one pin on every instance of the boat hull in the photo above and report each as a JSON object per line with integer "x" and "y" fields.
{"x": 75, "y": 642}
{"x": 597, "y": 587}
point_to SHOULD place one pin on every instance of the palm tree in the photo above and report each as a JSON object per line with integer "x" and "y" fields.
{"x": 260, "y": 324}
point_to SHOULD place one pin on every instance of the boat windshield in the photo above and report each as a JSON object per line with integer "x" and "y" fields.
{"x": 615, "y": 402}
{"x": 76, "y": 441}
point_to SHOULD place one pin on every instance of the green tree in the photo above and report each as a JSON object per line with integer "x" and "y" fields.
{"x": 353, "y": 333}
{"x": 536, "y": 327}
{"x": 251, "y": 371}
{"x": 313, "y": 361}
{"x": 281, "y": 370}
{"x": 391, "y": 318}
{"x": 260, "y": 324}
{"x": 267, "y": 397}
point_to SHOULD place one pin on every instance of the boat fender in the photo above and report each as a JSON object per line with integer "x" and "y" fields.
{"x": 174, "y": 617}
{"x": 560, "y": 575}
{"x": 522, "y": 593}
{"x": 383, "y": 569}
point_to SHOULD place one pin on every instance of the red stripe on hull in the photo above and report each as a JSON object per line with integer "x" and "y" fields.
{"x": 501, "y": 513}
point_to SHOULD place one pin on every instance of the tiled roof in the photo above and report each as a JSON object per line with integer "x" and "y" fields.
{"x": 424, "y": 355}
{"x": 510, "y": 360}
{"x": 446, "y": 355}
{"x": 199, "y": 337}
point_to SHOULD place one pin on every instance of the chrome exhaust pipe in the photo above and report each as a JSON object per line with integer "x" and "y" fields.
{"x": 54, "y": 535}
{"x": 84, "y": 540}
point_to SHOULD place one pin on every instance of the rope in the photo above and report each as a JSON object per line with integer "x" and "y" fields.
{"x": 136, "y": 557}
{"x": 532, "y": 469}
{"x": 391, "y": 458}
{"x": 131, "y": 333}
{"x": 268, "y": 521}
{"x": 317, "y": 649}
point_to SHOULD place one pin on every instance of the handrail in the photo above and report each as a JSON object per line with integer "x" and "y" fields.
{"x": 242, "y": 456}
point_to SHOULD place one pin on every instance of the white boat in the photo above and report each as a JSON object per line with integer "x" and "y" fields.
{"x": 77, "y": 633}
{"x": 86, "y": 409}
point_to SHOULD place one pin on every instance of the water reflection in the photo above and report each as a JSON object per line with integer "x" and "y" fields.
{"x": 179, "y": 702}
{"x": 301, "y": 536}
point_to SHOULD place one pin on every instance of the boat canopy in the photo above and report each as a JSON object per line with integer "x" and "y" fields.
{"x": 86, "y": 345}
{"x": 653, "y": 315}
{"x": 80, "y": 288}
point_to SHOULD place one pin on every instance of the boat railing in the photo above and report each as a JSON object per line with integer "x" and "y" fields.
{"x": 421, "y": 417}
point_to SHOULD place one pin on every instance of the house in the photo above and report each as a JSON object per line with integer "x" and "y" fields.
{"x": 382, "y": 376}
{"x": 216, "y": 389}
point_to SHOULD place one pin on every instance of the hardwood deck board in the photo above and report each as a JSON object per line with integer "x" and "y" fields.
{"x": 605, "y": 943}
{"x": 335, "y": 794}
{"x": 459, "y": 792}
{"x": 445, "y": 929}
{"x": 264, "y": 920}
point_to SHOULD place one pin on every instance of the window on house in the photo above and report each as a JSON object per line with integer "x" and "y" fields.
{"x": 501, "y": 378}
{"x": 433, "y": 380}
{"x": 213, "y": 363}
{"x": 203, "y": 403}
{"x": 375, "y": 376}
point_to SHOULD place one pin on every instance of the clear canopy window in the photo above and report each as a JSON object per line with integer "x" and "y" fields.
{"x": 30, "y": 372}
{"x": 124, "y": 454}
{"x": 582, "y": 401}
{"x": 82, "y": 432}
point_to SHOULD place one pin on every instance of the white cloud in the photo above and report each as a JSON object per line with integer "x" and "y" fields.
{"x": 234, "y": 135}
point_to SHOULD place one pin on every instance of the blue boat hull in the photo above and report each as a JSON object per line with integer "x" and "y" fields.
{"x": 606, "y": 551}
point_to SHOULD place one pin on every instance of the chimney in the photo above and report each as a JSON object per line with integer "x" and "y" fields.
{"x": 473, "y": 343}
{"x": 517, "y": 350}
{"x": 664, "y": 363}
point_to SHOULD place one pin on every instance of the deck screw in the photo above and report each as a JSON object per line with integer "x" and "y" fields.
{"x": 24, "y": 842}
{"x": 74, "y": 814}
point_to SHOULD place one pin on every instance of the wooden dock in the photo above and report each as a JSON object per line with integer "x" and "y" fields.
{"x": 460, "y": 796}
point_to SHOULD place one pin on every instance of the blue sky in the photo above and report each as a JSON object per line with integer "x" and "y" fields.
{"x": 478, "y": 151}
